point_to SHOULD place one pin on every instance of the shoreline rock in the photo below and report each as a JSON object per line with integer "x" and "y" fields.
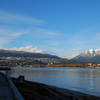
{"x": 39, "y": 91}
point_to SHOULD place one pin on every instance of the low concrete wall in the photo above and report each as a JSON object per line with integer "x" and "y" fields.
{"x": 14, "y": 90}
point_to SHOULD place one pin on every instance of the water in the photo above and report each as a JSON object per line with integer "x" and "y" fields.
{"x": 86, "y": 80}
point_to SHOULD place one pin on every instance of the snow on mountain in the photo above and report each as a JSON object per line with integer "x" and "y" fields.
{"x": 25, "y": 49}
{"x": 92, "y": 55}
{"x": 30, "y": 49}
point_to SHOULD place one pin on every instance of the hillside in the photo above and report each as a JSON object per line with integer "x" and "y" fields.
{"x": 22, "y": 58}
{"x": 88, "y": 56}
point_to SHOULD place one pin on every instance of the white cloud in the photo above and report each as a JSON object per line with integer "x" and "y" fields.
{"x": 97, "y": 36}
{"x": 73, "y": 55}
{"x": 7, "y": 36}
{"x": 3, "y": 41}
{"x": 10, "y": 33}
{"x": 50, "y": 51}
{"x": 77, "y": 49}
{"x": 55, "y": 44}
{"x": 26, "y": 49}
{"x": 11, "y": 18}
{"x": 40, "y": 32}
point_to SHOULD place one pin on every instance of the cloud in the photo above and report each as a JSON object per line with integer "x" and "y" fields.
{"x": 77, "y": 39}
{"x": 26, "y": 49}
{"x": 11, "y": 18}
{"x": 40, "y": 32}
{"x": 16, "y": 29}
{"x": 3, "y": 41}
{"x": 10, "y": 33}
{"x": 7, "y": 36}
{"x": 97, "y": 36}
{"x": 73, "y": 55}
{"x": 76, "y": 49}
{"x": 55, "y": 44}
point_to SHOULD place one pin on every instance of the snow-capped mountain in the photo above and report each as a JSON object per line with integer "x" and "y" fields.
{"x": 29, "y": 49}
{"x": 92, "y": 55}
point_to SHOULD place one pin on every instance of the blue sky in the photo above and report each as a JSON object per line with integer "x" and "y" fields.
{"x": 65, "y": 27}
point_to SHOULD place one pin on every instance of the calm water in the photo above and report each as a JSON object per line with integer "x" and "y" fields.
{"x": 86, "y": 80}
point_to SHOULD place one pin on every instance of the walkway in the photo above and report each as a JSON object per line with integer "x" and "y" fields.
{"x": 8, "y": 91}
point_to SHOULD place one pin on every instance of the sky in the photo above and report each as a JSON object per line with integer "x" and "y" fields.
{"x": 62, "y": 27}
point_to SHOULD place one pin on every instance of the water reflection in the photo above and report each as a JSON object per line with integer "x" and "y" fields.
{"x": 84, "y": 80}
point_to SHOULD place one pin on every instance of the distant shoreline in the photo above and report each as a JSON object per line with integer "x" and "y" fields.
{"x": 54, "y": 66}
{"x": 63, "y": 65}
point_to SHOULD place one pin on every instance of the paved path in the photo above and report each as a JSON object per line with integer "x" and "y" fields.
{"x": 7, "y": 89}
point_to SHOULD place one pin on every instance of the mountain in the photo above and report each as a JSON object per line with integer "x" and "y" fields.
{"x": 45, "y": 58}
{"x": 92, "y": 55}
{"x": 13, "y": 53}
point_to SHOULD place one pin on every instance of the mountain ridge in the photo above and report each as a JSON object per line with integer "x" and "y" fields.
{"x": 92, "y": 55}
{"x": 43, "y": 57}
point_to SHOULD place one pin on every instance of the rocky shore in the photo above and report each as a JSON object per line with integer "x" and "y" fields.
{"x": 38, "y": 91}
